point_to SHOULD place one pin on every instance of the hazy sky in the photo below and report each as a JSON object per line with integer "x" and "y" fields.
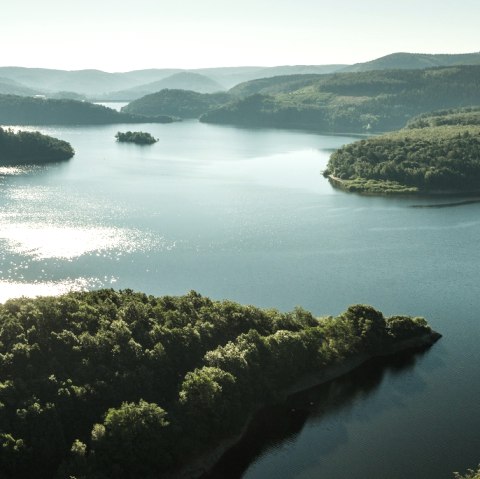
{"x": 119, "y": 35}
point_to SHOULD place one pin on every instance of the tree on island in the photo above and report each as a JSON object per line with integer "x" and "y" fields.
{"x": 137, "y": 137}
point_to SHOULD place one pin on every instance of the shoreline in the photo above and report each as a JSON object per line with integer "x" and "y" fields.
{"x": 474, "y": 194}
{"x": 203, "y": 463}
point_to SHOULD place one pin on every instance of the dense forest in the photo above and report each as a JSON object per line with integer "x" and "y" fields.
{"x": 177, "y": 103}
{"x": 349, "y": 102}
{"x": 454, "y": 116}
{"x": 31, "y": 147}
{"x": 138, "y": 137}
{"x": 18, "y": 110}
{"x": 439, "y": 151}
{"x": 120, "y": 384}
{"x": 431, "y": 159}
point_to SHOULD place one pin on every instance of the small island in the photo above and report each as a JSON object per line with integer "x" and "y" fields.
{"x": 25, "y": 147}
{"x": 123, "y": 384}
{"x": 438, "y": 153}
{"x": 137, "y": 137}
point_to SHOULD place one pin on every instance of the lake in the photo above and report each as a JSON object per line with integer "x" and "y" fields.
{"x": 245, "y": 214}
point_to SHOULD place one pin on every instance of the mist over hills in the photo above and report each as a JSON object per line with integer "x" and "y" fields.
{"x": 178, "y": 81}
{"x": 100, "y": 85}
{"x": 127, "y": 86}
{"x": 11, "y": 87}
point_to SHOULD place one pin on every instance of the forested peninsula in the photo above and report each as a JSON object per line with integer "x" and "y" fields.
{"x": 24, "y": 147}
{"x": 120, "y": 384}
{"x": 21, "y": 110}
{"x": 435, "y": 153}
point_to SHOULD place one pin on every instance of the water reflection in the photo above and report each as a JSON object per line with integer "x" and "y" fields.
{"x": 274, "y": 428}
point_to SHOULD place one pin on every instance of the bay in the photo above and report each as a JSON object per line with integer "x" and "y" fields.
{"x": 245, "y": 214}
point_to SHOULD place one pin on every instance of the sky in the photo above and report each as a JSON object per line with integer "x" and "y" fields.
{"x": 122, "y": 36}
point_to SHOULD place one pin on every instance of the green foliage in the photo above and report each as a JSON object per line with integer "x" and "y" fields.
{"x": 177, "y": 103}
{"x": 31, "y": 147}
{"x": 458, "y": 117}
{"x": 349, "y": 102}
{"x": 133, "y": 440}
{"x": 137, "y": 137}
{"x": 471, "y": 474}
{"x": 430, "y": 159}
{"x": 372, "y": 187}
{"x": 19, "y": 110}
{"x": 121, "y": 384}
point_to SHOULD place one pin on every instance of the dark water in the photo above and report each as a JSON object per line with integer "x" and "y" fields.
{"x": 246, "y": 215}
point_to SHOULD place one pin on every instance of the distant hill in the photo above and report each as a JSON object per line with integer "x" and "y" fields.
{"x": 177, "y": 103}
{"x": 12, "y": 87}
{"x": 411, "y": 61}
{"x": 83, "y": 81}
{"x": 18, "y": 110}
{"x": 273, "y": 85}
{"x": 350, "y": 102}
{"x": 229, "y": 77}
{"x": 178, "y": 81}
{"x": 100, "y": 85}
{"x": 187, "y": 81}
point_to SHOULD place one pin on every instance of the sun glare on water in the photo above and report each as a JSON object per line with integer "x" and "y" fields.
{"x": 12, "y": 289}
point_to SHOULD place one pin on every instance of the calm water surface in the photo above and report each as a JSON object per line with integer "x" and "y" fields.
{"x": 246, "y": 215}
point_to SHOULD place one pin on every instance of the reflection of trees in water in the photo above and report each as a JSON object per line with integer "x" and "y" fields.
{"x": 279, "y": 424}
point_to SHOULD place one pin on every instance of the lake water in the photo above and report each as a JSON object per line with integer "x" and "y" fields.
{"x": 246, "y": 215}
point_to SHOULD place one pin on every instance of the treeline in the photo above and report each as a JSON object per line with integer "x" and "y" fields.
{"x": 31, "y": 147}
{"x": 176, "y": 103}
{"x": 454, "y": 116}
{"x": 19, "y": 110}
{"x": 350, "y": 102}
{"x": 138, "y": 137}
{"x": 443, "y": 158}
{"x": 120, "y": 384}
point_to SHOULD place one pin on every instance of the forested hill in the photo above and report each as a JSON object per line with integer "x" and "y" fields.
{"x": 410, "y": 61}
{"x": 351, "y": 102}
{"x": 177, "y": 103}
{"x": 31, "y": 147}
{"x": 437, "y": 152}
{"x": 119, "y": 384}
{"x": 19, "y": 110}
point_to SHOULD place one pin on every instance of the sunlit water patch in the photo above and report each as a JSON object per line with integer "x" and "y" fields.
{"x": 43, "y": 241}
{"x": 15, "y": 289}
{"x": 11, "y": 170}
